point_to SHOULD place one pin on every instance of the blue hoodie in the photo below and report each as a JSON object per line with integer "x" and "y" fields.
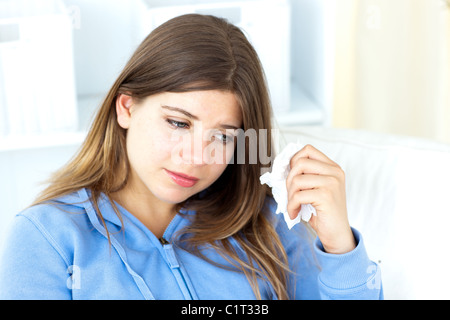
{"x": 62, "y": 252}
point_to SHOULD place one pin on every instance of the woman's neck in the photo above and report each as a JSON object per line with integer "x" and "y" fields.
{"x": 151, "y": 211}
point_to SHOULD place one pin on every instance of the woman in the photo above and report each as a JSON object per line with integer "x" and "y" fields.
{"x": 156, "y": 205}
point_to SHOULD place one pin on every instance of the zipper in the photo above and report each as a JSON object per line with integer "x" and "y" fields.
{"x": 178, "y": 270}
{"x": 163, "y": 241}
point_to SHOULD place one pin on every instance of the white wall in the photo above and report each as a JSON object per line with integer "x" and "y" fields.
{"x": 104, "y": 38}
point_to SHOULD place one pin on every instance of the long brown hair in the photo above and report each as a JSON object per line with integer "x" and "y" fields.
{"x": 193, "y": 52}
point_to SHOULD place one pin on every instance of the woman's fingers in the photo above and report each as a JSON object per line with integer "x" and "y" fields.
{"x": 310, "y": 171}
{"x": 304, "y": 166}
{"x": 298, "y": 198}
{"x": 315, "y": 179}
{"x": 310, "y": 152}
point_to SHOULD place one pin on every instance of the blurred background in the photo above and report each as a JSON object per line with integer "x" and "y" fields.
{"x": 377, "y": 65}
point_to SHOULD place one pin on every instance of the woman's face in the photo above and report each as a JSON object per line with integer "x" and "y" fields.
{"x": 178, "y": 144}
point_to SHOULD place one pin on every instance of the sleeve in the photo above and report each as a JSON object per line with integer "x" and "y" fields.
{"x": 316, "y": 274}
{"x": 32, "y": 265}
{"x": 348, "y": 276}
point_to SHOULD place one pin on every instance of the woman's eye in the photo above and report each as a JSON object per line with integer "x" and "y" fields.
{"x": 178, "y": 124}
{"x": 224, "y": 138}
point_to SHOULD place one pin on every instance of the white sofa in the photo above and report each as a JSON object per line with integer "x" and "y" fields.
{"x": 398, "y": 196}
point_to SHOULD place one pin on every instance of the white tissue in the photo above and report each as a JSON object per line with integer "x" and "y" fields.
{"x": 277, "y": 181}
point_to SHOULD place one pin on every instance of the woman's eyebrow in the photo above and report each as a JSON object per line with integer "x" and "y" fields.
{"x": 188, "y": 114}
{"x": 227, "y": 126}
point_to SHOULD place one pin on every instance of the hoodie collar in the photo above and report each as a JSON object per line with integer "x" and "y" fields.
{"x": 83, "y": 199}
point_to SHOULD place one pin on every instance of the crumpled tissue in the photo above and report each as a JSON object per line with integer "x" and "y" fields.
{"x": 276, "y": 179}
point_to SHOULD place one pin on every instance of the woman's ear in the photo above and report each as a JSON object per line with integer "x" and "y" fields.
{"x": 123, "y": 105}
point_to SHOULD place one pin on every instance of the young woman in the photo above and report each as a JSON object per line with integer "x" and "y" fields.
{"x": 155, "y": 204}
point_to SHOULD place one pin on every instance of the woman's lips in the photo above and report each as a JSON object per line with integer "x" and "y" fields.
{"x": 182, "y": 179}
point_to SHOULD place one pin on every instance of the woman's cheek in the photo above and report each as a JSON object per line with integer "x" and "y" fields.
{"x": 165, "y": 145}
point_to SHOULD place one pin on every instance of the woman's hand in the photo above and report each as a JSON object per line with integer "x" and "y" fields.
{"x": 317, "y": 180}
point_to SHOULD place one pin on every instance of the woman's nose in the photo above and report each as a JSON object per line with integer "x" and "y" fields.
{"x": 193, "y": 148}
{"x": 200, "y": 148}
{"x": 194, "y": 155}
